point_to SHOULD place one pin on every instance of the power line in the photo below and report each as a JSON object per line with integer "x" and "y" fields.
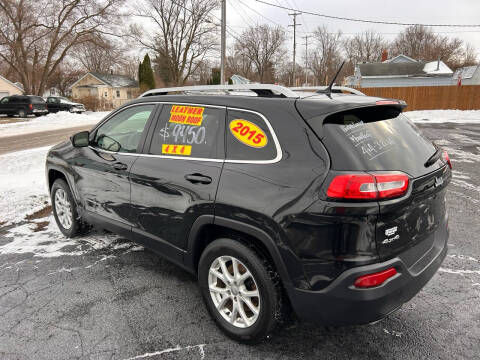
{"x": 255, "y": 11}
{"x": 366, "y": 21}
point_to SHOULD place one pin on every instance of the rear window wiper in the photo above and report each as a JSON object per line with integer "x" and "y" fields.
{"x": 432, "y": 159}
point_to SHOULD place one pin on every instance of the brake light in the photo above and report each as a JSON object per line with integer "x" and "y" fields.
{"x": 446, "y": 158}
{"x": 375, "y": 279}
{"x": 30, "y": 106}
{"x": 368, "y": 186}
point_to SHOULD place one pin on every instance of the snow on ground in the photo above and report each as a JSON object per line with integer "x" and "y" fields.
{"x": 23, "y": 192}
{"x": 23, "y": 188}
{"x": 444, "y": 116}
{"x": 60, "y": 120}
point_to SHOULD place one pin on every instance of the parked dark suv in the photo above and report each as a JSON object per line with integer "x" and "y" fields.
{"x": 332, "y": 205}
{"x": 23, "y": 105}
{"x": 59, "y": 103}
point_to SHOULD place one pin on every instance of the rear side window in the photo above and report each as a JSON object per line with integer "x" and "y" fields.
{"x": 193, "y": 131}
{"x": 36, "y": 100}
{"x": 249, "y": 137}
{"x": 375, "y": 138}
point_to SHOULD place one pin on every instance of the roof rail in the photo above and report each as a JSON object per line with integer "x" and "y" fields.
{"x": 316, "y": 88}
{"x": 263, "y": 90}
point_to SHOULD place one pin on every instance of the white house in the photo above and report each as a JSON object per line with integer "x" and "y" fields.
{"x": 8, "y": 88}
{"x": 469, "y": 75}
{"x": 401, "y": 71}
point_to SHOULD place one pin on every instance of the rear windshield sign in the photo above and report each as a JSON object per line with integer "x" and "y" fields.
{"x": 363, "y": 139}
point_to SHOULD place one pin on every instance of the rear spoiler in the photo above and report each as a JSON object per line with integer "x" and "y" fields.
{"x": 392, "y": 102}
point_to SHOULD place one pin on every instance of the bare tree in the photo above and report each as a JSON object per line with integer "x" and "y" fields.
{"x": 420, "y": 42}
{"x": 34, "y": 43}
{"x": 64, "y": 76}
{"x": 263, "y": 46}
{"x": 238, "y": 63}
{"x": 183, "y": 35}
{"x": 98, "y": 54}
{"x": 326, "y": 56}
{"x": 367, "y": 46}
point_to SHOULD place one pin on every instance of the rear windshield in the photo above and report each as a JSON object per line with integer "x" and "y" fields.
{"x": 36, "y": 100}
{"x": 375, "y": 138}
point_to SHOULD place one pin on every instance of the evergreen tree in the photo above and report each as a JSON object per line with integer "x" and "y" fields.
{"x": 148, "y": 79}
{"x": 215, "y": 78}
{"x": 140, "y": 74}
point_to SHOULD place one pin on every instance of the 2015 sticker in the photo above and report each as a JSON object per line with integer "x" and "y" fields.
{"x": 248, "y": 133}
{"x": 177, "y": 149}
{"x": 189, "y": 115}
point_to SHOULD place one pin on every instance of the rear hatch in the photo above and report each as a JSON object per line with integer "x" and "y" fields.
{"x": 374, "y": 137}
{"x": 38, "y": 103}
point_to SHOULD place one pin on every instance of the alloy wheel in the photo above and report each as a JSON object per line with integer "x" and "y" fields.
{"x": 234, "y": 291}
{"x": 63, "y": 209}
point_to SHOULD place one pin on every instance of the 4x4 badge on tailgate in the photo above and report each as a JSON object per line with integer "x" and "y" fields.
{"x": 391, "y": 232}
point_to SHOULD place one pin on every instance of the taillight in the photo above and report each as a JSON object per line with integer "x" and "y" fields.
{"x": 375, "y": 279}
{"x": 30, "y": 106}
{"x": 446, "y": 158}
{"x": 368, "y": 186}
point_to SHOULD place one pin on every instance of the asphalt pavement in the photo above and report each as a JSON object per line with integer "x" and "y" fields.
{"x": 116, "y": 303}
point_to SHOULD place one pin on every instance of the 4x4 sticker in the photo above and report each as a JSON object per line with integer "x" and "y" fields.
{"x": 189, "y": 115}
{"x": 177, "y": 149}
{"x": 248, "y": 133}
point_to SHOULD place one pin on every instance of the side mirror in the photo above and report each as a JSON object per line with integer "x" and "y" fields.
{"x": 80, "y": 139}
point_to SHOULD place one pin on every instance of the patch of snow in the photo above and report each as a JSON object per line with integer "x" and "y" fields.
{"x": 431, "y": 68}
{"x": 23, "y": 188}
{"x": 52, "y": 243}
{"x": 444, "y": 116}
{"x": 55, "y": 121}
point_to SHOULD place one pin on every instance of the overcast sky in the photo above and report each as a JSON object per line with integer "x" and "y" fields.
{"x": 240, "y": 16}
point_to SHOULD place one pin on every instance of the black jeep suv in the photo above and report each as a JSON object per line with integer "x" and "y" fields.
{"x": 23, "y": 105}
{"x": 331, "y": 205}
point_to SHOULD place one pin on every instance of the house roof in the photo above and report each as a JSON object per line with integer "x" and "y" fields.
{"x": 400, "y": 58}
{"x": 110, "y": 80}
{"x": 115, "y": 80}
{"x": 11, "y": 83}
{"x": 465, "y": 72}
{"x": 417, "y": 68}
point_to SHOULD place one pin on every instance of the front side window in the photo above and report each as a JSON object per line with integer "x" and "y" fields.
{"x": 189, "y": 131}
{"x": 122, "y": 132}
{"x": 248, "y": 137}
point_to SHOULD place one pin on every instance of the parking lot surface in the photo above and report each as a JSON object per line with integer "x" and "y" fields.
{"x": 102, "y": 297}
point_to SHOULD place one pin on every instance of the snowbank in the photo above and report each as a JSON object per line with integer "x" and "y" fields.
{"x": 444, "y": 116}
{"x": 60, "y": 120}
{"x": 23, "y": 188}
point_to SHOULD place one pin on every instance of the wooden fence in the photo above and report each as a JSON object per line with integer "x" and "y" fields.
{"x": 466, "y": 97}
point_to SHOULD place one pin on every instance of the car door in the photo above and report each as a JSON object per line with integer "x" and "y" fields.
{"x": 175, "y": 180}
{"x": 102, "y": 168}
{"x": 52, "y": 104}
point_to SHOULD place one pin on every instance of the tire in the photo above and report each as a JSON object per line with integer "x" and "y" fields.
{"x": 38, "y": 115}
{"x": 246, "y": 327}
{"x": 62, "y": 200}
{"x": 21, "y": 113}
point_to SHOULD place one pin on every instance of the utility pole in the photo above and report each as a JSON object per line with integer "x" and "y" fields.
{"x": 306, "y": 58}
{"x": 223, "y": 45}
{"x": 295, "y": 14}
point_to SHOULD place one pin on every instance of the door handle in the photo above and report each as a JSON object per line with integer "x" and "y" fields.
{"x": 120, "y": 166}
{"x": 198, "y": 179}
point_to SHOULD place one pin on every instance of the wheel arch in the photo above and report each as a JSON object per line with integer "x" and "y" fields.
{"x": 207, "y": 228}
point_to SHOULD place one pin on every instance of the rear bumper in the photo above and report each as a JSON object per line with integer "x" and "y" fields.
{"x": 342, "y": 304}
